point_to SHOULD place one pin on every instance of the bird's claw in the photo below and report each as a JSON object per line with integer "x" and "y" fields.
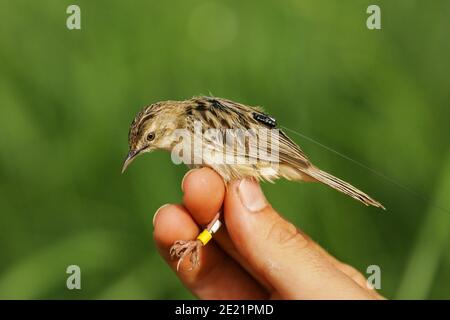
{"x": 181, "y": 249}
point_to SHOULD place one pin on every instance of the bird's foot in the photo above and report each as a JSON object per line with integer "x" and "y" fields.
{"x": 181, "y": 249}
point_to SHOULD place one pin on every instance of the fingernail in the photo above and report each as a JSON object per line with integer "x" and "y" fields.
{"x": 251, "y": 195}
{"x": 156, "y": 213}
{"x": 185, "y": 176}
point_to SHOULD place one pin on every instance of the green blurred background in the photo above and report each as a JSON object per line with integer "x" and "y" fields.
{"x": 67, "y": 99}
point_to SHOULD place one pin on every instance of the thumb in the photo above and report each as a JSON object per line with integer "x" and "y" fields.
{"x": 277, "y": 251}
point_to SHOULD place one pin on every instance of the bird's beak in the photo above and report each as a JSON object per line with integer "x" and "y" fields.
{"x": 130, "y": 157}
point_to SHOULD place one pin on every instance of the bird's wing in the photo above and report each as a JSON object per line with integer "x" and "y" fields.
{"x": 247, "y": 123}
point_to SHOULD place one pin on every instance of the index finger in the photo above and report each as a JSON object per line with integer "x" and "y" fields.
{"x": 204, "y": 192}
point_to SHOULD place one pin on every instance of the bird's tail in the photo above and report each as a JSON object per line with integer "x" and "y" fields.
{"x": 342, "y": 186}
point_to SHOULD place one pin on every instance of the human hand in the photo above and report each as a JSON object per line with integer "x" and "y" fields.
{"x": 258, "y": 255}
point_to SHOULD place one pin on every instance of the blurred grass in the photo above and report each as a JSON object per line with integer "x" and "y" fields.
{"x": 430, "y": 244}
{"x": 68, "y": 97}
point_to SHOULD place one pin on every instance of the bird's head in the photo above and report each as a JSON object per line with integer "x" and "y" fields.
{"x": 153, "y": 129}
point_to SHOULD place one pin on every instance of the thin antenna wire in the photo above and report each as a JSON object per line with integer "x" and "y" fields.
{"x": 362, "y": 165}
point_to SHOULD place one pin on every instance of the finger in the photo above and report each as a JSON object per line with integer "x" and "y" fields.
{"x": 204, "y": 192}
{"x": 282, "y": 255}
{"x": 217, "y": 276}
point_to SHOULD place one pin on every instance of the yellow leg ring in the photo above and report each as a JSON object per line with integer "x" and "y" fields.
{"x": 205, "y": 236}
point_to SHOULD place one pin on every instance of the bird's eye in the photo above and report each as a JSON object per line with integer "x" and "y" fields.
{"x": 151, "y": 136}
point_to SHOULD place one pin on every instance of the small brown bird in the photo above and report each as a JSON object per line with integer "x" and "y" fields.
{"x": 236, "y": 140}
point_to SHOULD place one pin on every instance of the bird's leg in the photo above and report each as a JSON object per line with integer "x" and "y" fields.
{"x": 181, "y": 248}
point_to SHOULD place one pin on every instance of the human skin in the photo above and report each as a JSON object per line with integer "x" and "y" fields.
{"x": 258, "y": 255}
